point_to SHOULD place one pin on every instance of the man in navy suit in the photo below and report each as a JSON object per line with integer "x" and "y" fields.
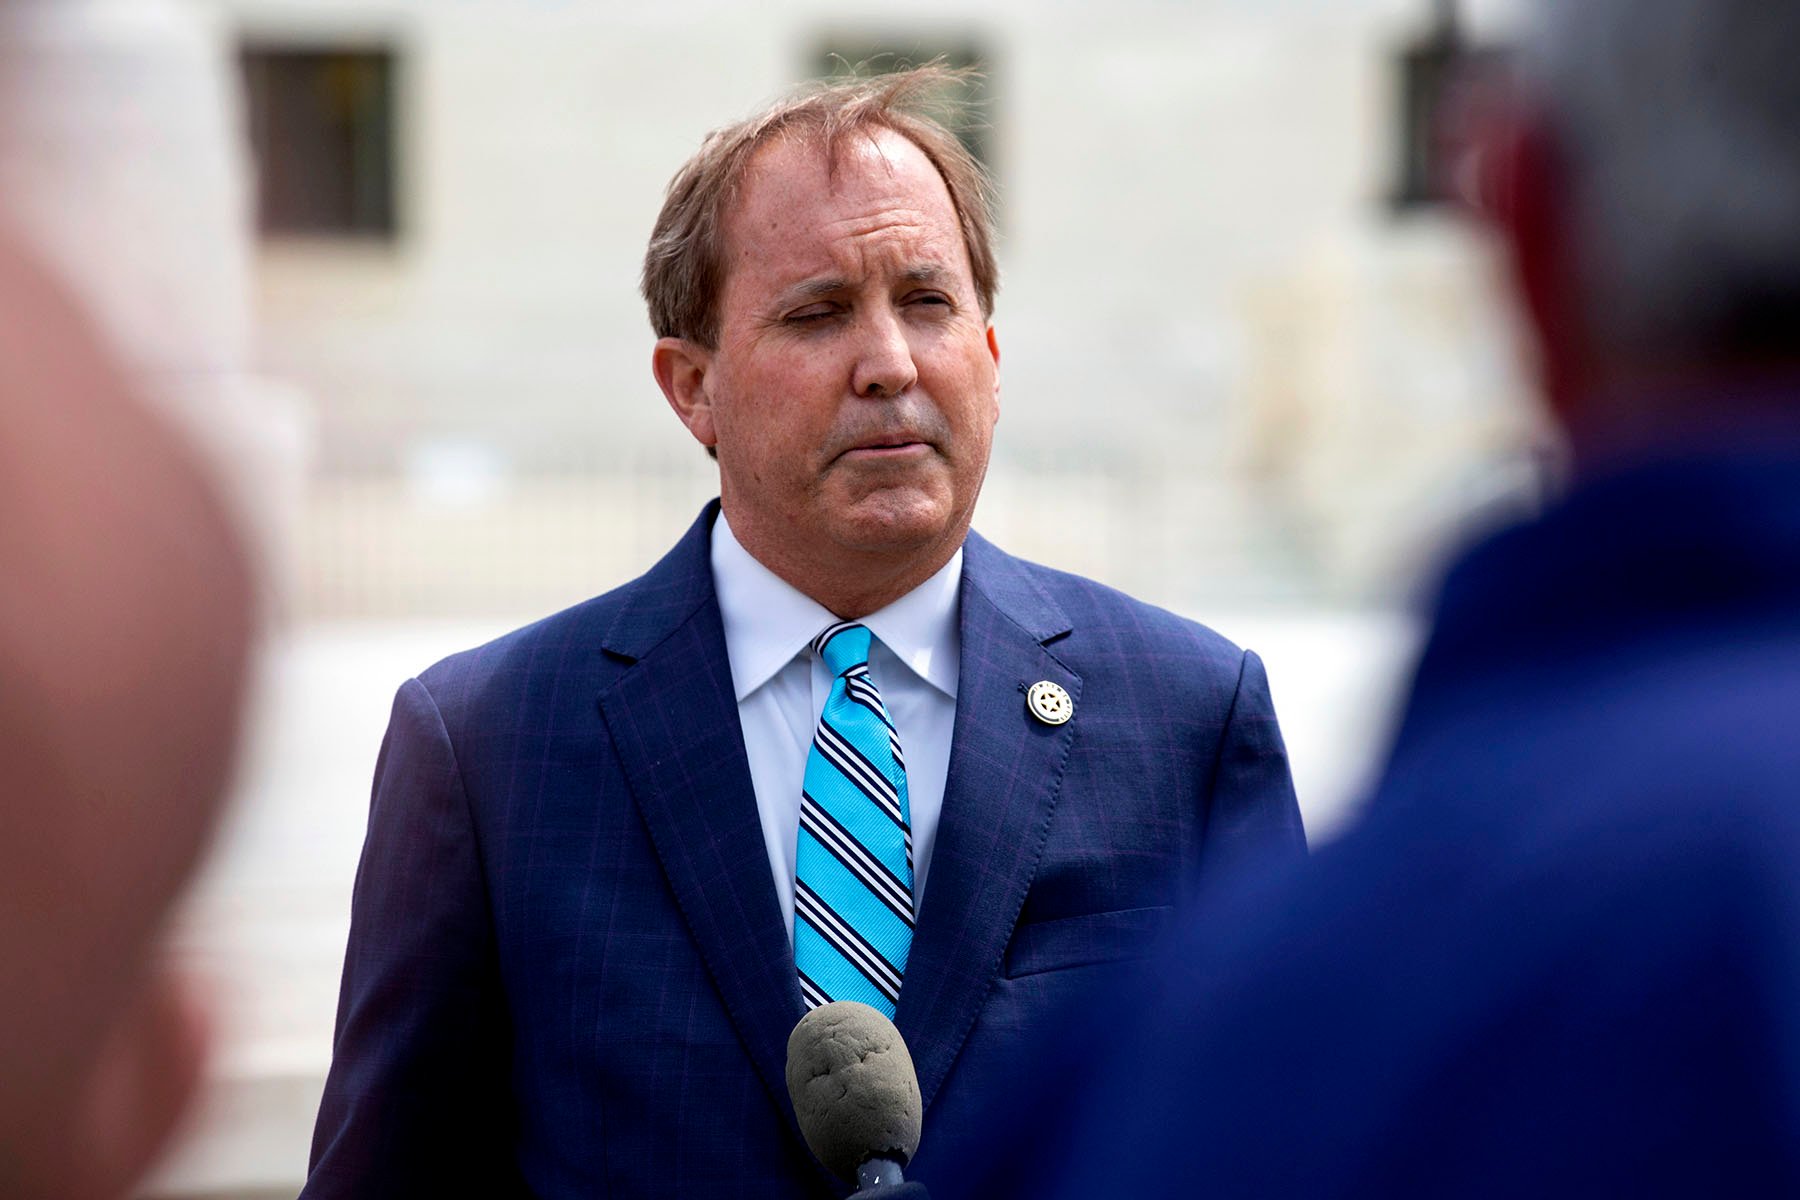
{"x": 1562, "y": 955}
{"x": 613, "y": 856}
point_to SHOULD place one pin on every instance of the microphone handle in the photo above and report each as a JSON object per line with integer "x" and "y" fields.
{"x": 879, "y": 1172}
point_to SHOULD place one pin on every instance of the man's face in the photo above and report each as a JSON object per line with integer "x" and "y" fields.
{"x": 854, "y": 389}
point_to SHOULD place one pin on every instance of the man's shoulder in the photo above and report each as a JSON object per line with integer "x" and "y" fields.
{"x": 570, "y": 656}
{"x": 582, "y": 625}
{"x": 596, "y": 638}
{"x": 1102, "y": 620}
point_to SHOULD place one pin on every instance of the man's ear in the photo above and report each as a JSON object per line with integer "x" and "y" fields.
{"x": 681, "y": 368}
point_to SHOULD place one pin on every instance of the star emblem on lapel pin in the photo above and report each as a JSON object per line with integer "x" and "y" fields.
{"x": 1049, "y": 703}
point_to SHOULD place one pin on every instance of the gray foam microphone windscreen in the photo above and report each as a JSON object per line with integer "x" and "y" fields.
{"x": 854, "y": 1088}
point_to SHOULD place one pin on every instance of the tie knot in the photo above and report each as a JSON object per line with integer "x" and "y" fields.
{"x": 844, "y": 646}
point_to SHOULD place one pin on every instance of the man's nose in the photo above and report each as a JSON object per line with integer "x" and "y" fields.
{"x": 884, "y": 363}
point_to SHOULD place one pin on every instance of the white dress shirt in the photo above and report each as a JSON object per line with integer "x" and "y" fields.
{"x": 781, "y": 688}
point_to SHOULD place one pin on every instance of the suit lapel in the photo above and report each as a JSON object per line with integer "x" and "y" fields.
{"x": 1005, "y": 771}
{"x": 674, "y": 724}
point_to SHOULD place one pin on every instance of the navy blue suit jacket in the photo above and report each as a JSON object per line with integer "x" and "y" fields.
{"x": 1562, "y": 955}
{"x": 568, "y": 974}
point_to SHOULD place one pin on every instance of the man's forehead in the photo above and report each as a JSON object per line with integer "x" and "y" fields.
{"x": 795, "y": 200}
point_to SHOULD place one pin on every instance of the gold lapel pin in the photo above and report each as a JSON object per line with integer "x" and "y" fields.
{"x": 1049, "y": 703}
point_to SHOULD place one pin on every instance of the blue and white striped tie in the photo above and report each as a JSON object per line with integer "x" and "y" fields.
{"x": 853, "y": 877}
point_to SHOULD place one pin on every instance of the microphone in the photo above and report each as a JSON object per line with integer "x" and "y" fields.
{"x": 855, "y": 1092}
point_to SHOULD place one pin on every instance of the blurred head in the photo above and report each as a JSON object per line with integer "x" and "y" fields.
{"x": 822, "y": 278}
{"x": 1651, "y": 191}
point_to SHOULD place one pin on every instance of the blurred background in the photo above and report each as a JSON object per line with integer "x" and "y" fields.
{"x": 381, "y": 258}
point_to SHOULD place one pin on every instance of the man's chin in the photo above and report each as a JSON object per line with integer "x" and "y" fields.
{"x": 895, "y": 520}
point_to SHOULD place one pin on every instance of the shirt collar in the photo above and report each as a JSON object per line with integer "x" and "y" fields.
{"x": 768, "y": 620}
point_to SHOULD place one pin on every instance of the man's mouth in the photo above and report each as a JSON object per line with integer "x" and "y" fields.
{"x": 888, "y": 447}
{"x": 896, "y": 448}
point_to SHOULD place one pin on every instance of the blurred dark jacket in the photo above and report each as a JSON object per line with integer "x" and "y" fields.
{"x": 1562, "y": 954}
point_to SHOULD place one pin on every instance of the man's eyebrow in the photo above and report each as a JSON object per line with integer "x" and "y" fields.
{"x": 926, "y": 273}
{"x": 814, "y": 289}
{"x": 831, "y": 285}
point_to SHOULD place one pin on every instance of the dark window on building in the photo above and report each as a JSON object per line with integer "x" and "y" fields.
{"x": 876, "y": 56}
{"x": 1429, "y": 72}
{"x": 322, "y": 126}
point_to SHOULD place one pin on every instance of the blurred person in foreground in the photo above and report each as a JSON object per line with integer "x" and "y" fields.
{"x": 613, "y": 857}
{"x": 128, "y": 571}
{"x": 1562, "y": 953}
{"x": 125, "y": 626}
